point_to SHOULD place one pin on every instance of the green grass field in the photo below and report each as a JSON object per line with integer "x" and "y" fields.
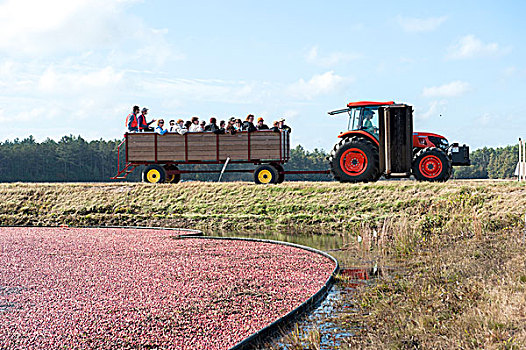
{"x": 455, "y": 250}
{"x": 303, "y": 206}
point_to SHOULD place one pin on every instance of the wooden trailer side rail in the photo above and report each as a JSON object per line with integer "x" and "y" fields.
{"x": 205, "y": 147}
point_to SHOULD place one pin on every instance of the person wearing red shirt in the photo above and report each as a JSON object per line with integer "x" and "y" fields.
{"x": 132, "y": 122}
{"x": 143, "y": 124}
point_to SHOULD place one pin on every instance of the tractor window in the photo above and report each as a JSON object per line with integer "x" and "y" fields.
{"x": 370, "y": 121}
{"x": 365, "y": 119}
{"x": 354, "y": 119}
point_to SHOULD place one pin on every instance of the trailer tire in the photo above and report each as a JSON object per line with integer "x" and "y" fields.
{"x": 171, "y": 177}
{"x": 355, "y": 160}
{"x": 266, "y": 174}
{"x": 154, "y": 174}
{"x": 279, "y": 168}
{"x": 432, "y": 164}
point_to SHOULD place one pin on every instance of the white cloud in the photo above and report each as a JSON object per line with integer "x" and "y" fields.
{"x": 24, "y": 115}
{"x": 486, "y": 119}
{"x": 319, "y": 84}
{"x": 61, "y": 94}
{"x": 453, "y": 89}
{"x": 470, "y": 46}
{"x": 416, "y": 25}
{"x": 434, "y": 110}
{"x": 32, "y": 27}
{"x": 329, "y": 59}
{"x": 291, "y": 114}
{"x": 48, "y": 28}
{"x": 72, "y": 81}
{"x": 240, "y": 92}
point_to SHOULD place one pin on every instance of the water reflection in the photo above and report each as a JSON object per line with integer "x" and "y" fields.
{"x": 324, "y": 327}
{"x": 329, "y": 324}
{"x": 325, "y": 242}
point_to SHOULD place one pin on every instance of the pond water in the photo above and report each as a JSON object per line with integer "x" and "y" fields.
{"x": 328, "y": 325}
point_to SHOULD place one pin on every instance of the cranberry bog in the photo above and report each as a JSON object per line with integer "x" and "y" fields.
{"x": 137, "y": 288}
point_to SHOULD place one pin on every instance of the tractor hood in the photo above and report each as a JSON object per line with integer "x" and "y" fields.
{"x": 427, "y": 134}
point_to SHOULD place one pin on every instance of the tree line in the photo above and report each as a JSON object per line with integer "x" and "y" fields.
{"x": 73, "y": 159}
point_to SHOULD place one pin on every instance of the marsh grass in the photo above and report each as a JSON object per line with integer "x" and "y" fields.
{"x": 299, "y": 339}
{"x": 459, "y": 281}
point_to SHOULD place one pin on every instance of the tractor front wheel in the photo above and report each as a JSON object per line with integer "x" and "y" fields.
{"x": 355, "y": 160}
{"x": 266, "y": 174}
{"x": 432, "y": 164}
{"x": 153, "y": 174}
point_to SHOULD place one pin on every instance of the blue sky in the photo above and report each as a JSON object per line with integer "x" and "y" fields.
{"x": 76, "y": 67}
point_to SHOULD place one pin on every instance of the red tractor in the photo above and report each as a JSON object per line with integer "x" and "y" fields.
{"x": 380, "y": 141}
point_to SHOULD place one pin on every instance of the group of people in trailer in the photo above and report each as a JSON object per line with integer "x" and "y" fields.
{"x": 137, "y": 122}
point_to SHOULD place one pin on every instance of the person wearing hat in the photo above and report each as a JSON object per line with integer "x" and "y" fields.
{"x": 275, "y": 126}
{"x": 282, "y": 126}
{"x": 230, "y": 127}
{"x": 143, "y": 124}
{"x": 367, "y": 123}
{"x": 260, "y": 125}
{"x": 248, "y": 124}
{"x": 180, "y": 128}
{"x": 160, "y": 127}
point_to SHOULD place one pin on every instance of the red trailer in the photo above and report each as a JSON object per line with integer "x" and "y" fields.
{"x": 162, "y": 154}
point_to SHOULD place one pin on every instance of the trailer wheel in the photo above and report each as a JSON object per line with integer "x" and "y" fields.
{"x": 279, "y": 168}
{"x": 432, "y": 164}
{"x": 266, "y": 174}
{"x": 355, "y": 160}
{"x": 170, "y": 176}
{"x": 153, "y": 174}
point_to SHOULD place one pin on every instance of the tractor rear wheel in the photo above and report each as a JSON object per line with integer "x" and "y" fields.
{"x": 355, "y": 160}
{"x": 432, "y": 164}
{"x": 266, "y": 174}
{"x": 153, "y": 174}
{"x": 170, "y": 176}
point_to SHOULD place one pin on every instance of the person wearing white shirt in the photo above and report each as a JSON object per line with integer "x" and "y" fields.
{"x": 195, "y": 127}
{"x": 172, "y": 126}
{"x": 160, "y": 127}
{"x": 180, "y": 128}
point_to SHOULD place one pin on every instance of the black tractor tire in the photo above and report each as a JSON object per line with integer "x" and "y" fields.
{"x": 153, "y": 174}
{"x": 266, "y": 174}
{"x": 331, "y": 158}
{"x": 281, "y": 176}
{"x": 172, "y": 178}
{"x": 355, "y": 160}
{"x": 432, "y": 164}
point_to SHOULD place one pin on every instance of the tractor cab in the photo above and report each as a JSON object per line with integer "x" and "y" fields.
{"x": 363, "y": 116}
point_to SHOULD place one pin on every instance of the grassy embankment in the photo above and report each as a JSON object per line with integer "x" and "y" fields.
{"x": 456, "y": 249}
